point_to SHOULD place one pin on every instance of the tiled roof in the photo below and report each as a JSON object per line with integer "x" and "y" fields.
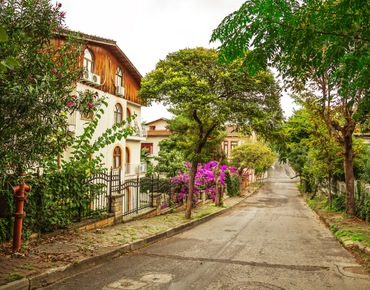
{"x": 158, "y": 133}
{"x": 164, "y": 119}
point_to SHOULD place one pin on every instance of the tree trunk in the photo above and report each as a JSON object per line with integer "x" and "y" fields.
{"x": 217, "y": 174}
{"x": 348, "y": 171}
{"x": 314, "y": 192}
{"x": 189, "y": 203}
{"x": 304, "y": 184}
{"x": 329, "y": 189}
{"x": 240, "y": 175}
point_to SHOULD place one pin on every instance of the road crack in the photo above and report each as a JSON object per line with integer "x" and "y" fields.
{"x": 237, "y": 262}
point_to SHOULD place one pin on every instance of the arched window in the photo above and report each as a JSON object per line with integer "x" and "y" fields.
{"x": 128, "y": 113}
{"x": 117, "y": 157}
{"x": 127, "y": 161}
{"x": 119, "y": 77}
{"x": 88, "y": 60}
{"x": 117, "y": 114}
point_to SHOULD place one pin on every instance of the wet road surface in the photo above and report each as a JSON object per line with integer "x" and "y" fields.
{"x": 272, "y": 240}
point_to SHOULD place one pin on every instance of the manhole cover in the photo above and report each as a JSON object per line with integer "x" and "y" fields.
{"x": 356, "y": 270}
{"x": 157, "y": 278}
{"x": 257, "y": 286}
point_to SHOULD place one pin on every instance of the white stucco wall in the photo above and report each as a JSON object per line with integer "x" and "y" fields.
{"x": 159, "y": 125}
{"x": 106, "y": 122}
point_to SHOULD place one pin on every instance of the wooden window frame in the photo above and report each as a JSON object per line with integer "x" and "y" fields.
{"x": 233, "y": 143}
{"x": 119, "y": 83}
{"x": 116, "y": 113}
{"x": 92, "y": 61}
{"x": 116, "y": 155}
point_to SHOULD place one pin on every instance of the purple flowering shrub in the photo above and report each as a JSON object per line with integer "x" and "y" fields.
{"x": 204, "y": 181}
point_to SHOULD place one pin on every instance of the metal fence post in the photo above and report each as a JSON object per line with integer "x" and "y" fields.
{"x": 152, "y": 189}
{"x": 138, "y": 194}
{"x": 110, "y": 189}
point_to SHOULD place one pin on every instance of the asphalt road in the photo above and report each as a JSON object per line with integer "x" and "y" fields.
{"x": 270, "y": 241}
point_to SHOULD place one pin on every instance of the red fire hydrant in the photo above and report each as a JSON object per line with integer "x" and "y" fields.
{"x": 19, "y": 213}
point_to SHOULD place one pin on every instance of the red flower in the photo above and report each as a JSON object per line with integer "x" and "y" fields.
{"x": 60, "y": 5}
{"x": 31, "y": 79}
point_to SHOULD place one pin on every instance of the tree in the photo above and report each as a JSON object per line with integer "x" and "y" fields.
{"x": 170, "y": 157}
{"x": 314, "y": 40}
{"x": 211, "y": 94}
{"x": 251, "y": 156}
{"x": 36, "y": 94}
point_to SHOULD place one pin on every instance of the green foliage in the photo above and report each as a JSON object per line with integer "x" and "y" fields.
{"x": 339, "y": 203}
{"x": 334, "y": 228}
{"x": 36, "y": 94}
{"x": 298, "y": 37}
{"x": 363, "y": 210}
{"x": 252, "y": 156}
{"x": 8, "y": 62}
{"x": 170, "y": 157}
{"x": 232, "y": 184}
{"x": 210, "y": 94}
{"x": 61, "y": 192}
{"x": 343, "y": 233}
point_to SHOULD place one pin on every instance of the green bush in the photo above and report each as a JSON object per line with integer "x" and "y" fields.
{"x": 232, "y": 184}
{"x": 339, "y": 202}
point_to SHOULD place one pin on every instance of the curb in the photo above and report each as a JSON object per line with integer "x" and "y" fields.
{"x": 53, "y": 275}
{"x": 345, "y": 241}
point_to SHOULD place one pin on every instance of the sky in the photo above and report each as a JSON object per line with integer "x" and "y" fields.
{"x": 147, "y": 30}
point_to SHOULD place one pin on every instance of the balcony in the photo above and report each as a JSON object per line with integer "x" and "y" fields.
{"x": 135, "y": 168}
{"x": 140, "y": 131}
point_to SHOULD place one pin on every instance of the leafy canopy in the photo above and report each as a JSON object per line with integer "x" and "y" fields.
{"x": 299, "y": 36}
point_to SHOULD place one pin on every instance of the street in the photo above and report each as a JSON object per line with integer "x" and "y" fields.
{"x": 272, "y": 240}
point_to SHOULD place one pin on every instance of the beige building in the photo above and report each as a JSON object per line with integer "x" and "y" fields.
{"x": 156, "y": 131}
{"x": 110, "y": 73}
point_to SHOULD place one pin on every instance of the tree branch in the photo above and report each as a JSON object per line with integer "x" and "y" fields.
{"x": 317, "y": 31}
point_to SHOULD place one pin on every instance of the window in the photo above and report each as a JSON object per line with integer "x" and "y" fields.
{"x": 226, "y": 147}
{"x": 117, "y": 157}
{"x": 117, "y": 114}
{"x": 119, "y": 77}
{"x": 148, "y": 146}
{"x": 233, "y": 144}
{"x": 88, "y": 60}
{"x": 151, "y": 128}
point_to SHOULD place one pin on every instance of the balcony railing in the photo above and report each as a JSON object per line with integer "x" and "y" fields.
{"x": 135, "y": 168}
{"x": 140, "y": 130}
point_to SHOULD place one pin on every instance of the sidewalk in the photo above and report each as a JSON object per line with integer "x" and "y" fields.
{"x": 47, "y": 260}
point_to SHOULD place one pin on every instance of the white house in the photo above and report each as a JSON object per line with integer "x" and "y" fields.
{"x": 110, "y": 73}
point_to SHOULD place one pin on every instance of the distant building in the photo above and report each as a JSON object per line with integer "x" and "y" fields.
{"x": 233, "y": 139}
{"x": 156, "y": 131}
